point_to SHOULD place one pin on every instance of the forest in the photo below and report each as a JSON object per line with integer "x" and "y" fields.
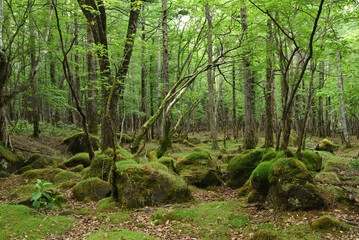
{"x": 169, "y": 119}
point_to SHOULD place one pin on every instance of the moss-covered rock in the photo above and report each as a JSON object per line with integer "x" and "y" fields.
{"x": 335, "y": 166}
{"x": 264, "y": 235}
{"x": 100, "y": 167}
{"x": 62, "y": 177}
{"x": 241, "y": 167}
{"x": 43, "y": 174}
{"x": 326, "y": 145}
{"x": 125, "y": 138}
{"x": 313, "y": 161}
{"x": 327, "y": 222}
{"x": 292, "y": 187}
{"x": 79, "y": 168}
{"x": 23, "y": 194}
{"x": 152, "y": 156}
{"x": 327, "y": 177}
{"x": 38, "y": 161}
{"x": 91, "y": 189}
{"x": 107, "y": 205}
{"x": 4, "y": 174}
{"x": 140, "y": 185}
{"x": 199, "y": 169}
{"x": 10, "y": 161}
{"x": 168, "y": 162}
{"x": 76, "y": 143}
{"x": 80, "y": 158}
{"x": 121, "y": 153}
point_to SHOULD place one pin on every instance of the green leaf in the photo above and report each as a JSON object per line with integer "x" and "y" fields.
{"x": 35, "y": 196}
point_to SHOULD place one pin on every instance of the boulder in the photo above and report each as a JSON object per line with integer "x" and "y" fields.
{"x": 326, "y": 145}
{"x": 328, "y": 222}
{"x": 241, "y": 167}
{"x": 63, "y": 177}
{"x": 10, "y": 161}
{"x": 43, "y": 174}
{"x": 38, "y": 161}
{"x": 199, "y": 169}
{"x": 91, "y": 189}
{"x": 76, "y": 143}
{"x": 168, "y": 162}
{"x": 327, "y": 177}
{"x": 292, "y": 187}
{"x": 149, "y": 184}
{"x": 23, "y": 194}
{"x": 100, "y": 167}
{"x": 80, "y": 158}
{"x": 264, "y": 234}
{"x": 313, "y": 161}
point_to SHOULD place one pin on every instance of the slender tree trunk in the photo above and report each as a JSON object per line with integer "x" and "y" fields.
{"x": 211, "y": 93}
{"x": 143, "y": 76}
{"x": 321, "y": 106}
{"x": 250, "y": 135}
{"x": 234, "y": 103}
{"x": 91, "y": 103}
{"x": 159, "y": 81}
{"x": 77, "y": 83}
{"x": 342, "y": 107}
{"x": 269, "y": 129}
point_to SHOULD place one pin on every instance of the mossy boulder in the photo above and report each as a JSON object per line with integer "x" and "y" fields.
{"x": 328, "y": 222}
{"x": 152, "y": 156}
{"x": 10, "y": 161}
{"x": 326, "y": 145}
{"x": 241, "y": 167}
{"x": 100, "y": 167}
{"x": 292, "y": 187}
{"x": 107, "y": 205}
{"x": 168, "y": 162}
{"x": 150, "y": 184}
{"x": 335, "y": 166}
{"x": 65, "y": 176}
{"x": 313, "y": 161}
{"x": 43, "y": 174}
{"x": 91, "y": 189}
{"x": 199, "y": 169}
{"x": 259, "y": 182}
{"x": 23, "y": 194}
{"x": 121, "y": 153}
{"x": 264, "y": 235}
{"x": 125, "y": 138}
{"x": 38, "y": 161}
{"x": 79, "y": 168}
{"x": 327, "y": 177}
{"x": 76, "y": 143}
{"x": 80, "y": 158}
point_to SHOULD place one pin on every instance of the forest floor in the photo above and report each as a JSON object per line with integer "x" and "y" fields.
{"x": 216, "y": 212}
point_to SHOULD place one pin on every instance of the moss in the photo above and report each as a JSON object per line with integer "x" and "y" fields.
{"x": 121, "y": 153}
{"x": 107, "y": 205}
{"x": 43, "y": 174}
{"x": 80, "y": 158}
{"x": 271, "y": 154}
{"x": 67, "y": 185}
{"x": 91, "y": 189}
{"x": 149, "y": 184}
{"x": 288, "y": 169}
{"x": 152, "y": 156}
{"x": 335, "y": 166}
{"x": 326, "y": 145}
{"x": 123, "y": 164}
{"x": 78, "y": 168}
{"x": 85, "y": 173}
{"x": 262, "y": 170}
{"x": 113, "y": 218}
{"x": 62, "y": 177}
{"x": 38, "y": 161}
{"x": 10, "y": 161}
{"x": 199, "y": 169}
{"x": 100, "y": 167}
{"x": 264, "y": 235}
{"x": 4, "y": 174}
{"x": 327, "y": 177}
{"x": 327, "y": 222}
{"x": 23, "y": 194}
{"x": 125, "y": 138}
{"x": 76, "y": 143}
{"x": 21, "y": 222}
{"x": 313, "y": 161}
{"x": 240, "y": 167}
{"x": 120, "y": 234}
{"x": 168, "y": 162}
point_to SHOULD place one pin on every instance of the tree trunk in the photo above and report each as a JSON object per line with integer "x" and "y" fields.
{"x": 234, "y": 103}
{"x": 250, "y": 135}
{"x": 320, "y": 102}
{"x": 143, "y": 76}
{"x": 211, "y": 93}
{"x": 91, "y": 103}
{"x": 159, "y": 81}
{"x": 269, "y": 129}
{"x": 342, "y": 107}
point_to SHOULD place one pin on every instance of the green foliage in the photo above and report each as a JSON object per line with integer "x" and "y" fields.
{"x": 354, "y": 163}
{"x": 120, "y": 234}
{"x": 42, "y": 198}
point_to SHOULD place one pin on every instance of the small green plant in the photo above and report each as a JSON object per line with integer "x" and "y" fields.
{"x": 42, "y": 198}
{"x": 354, "y": 162}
